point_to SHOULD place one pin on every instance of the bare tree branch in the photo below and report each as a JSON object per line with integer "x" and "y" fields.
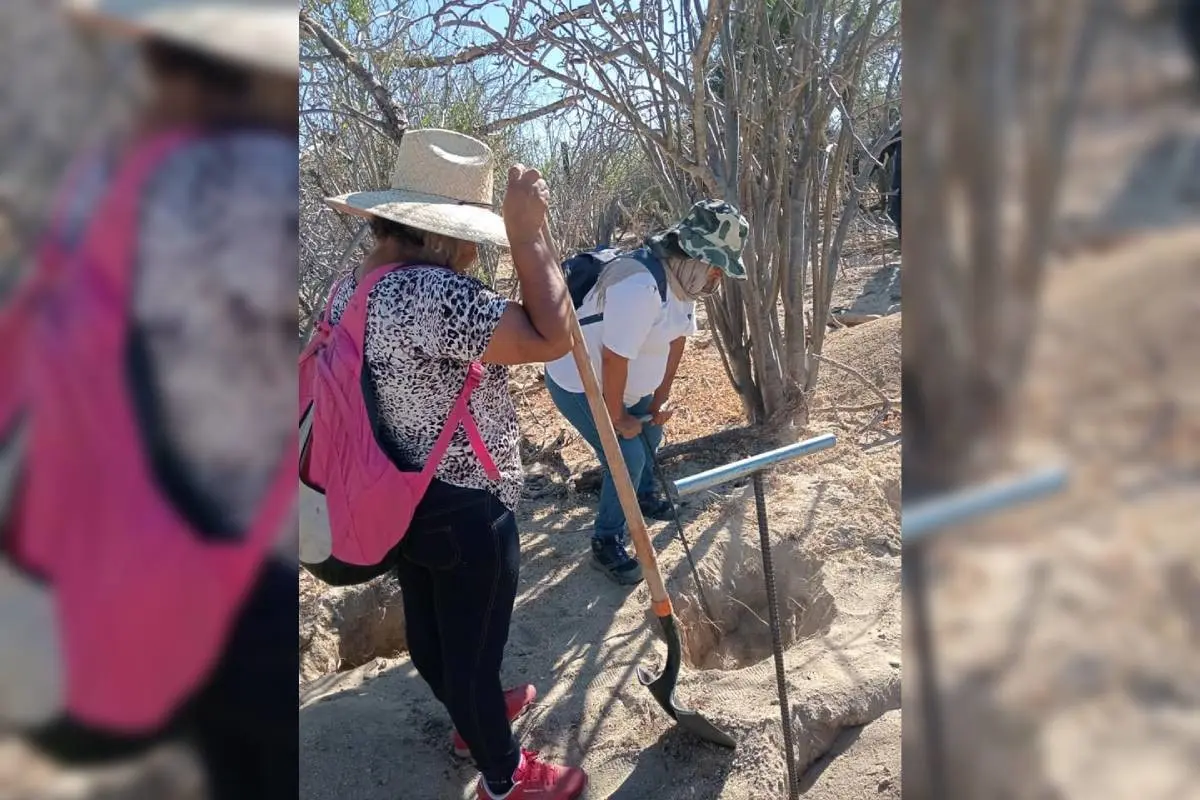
{"x": 468, "y": 55}
{"x": 528, "y": 116}
{"x": 397, "y": 123}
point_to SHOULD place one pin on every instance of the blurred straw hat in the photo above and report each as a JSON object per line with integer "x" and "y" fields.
{"x": 263, "y": 34}
{"x": 442, "y": 183}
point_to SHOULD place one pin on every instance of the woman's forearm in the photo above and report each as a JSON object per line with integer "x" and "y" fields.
{"x": 544, "y": 293}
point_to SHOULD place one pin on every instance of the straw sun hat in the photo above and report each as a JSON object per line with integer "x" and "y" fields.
{"x": 442, "y": 183}
{"x": 262, "y": 34}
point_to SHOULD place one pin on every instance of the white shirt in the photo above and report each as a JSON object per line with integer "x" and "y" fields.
{"x": 637, "y": 325}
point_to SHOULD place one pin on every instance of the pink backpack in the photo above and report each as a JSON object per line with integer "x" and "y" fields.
{"x": 143, "y": 604}
{"x": 316, "y": 343}
{"x": 356, "y": 505}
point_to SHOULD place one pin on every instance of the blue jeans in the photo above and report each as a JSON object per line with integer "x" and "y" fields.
{"x": 610, "y": 519}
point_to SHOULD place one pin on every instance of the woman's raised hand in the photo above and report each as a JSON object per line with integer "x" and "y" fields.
{"x": 526, "y": 200}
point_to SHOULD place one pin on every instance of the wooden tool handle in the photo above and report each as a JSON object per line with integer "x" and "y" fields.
{"x": 660, "y": 601}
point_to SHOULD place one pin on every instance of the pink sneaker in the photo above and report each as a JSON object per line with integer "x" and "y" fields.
{"x": 537, "y": 780}
{"x": 516, "y": 700}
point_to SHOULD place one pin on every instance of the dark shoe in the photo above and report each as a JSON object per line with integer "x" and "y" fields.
{"x": 659, "y": 509}
{"x": 610, "y": 557}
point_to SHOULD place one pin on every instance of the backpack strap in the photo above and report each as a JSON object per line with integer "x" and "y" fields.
{"x": 124, "y": 197}
{"x": 36, "y": 290}
{"x": 327, "y": 312}
{"x": 354, "y": 315}
{"x": 653, "y": 265}
{"x": 51, "y": 247}
{"x": 55, "y": 232}
{"x": 460, "y": 414}
{"x": 316, "y": 341}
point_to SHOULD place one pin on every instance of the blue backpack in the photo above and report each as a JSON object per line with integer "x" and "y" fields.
{"x": 583, "y": 269}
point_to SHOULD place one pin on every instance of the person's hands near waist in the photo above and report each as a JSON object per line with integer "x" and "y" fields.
{"x": 614, "y": 373}
{"x": 660, "y": 404}
{"x": 661, "y": 409}
{"x": 627, "y": 425}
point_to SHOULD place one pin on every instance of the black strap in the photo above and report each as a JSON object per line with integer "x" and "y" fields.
{"x": 641, "y": 255}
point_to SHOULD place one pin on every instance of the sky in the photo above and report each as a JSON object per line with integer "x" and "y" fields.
{"x": 494, "y": 14}
{"x": 543, "y": 93}
{"x": 540, "y": 94}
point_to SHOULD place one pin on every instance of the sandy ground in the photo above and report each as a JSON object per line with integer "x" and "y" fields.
{"x": 376, "y": 732}
{"x": 1069, "y": 632}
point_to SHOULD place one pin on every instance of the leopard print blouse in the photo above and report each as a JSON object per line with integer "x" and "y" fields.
{"x": 424, "y": 326}
{"x": 214, "y": 313}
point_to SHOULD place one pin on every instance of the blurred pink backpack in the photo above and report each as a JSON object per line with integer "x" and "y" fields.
{"x": 355, "y": 504}
{"x": 141, "y": 604}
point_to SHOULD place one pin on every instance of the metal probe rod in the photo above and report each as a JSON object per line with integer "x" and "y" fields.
{"x": 921, "y": 519}
{"x": 753, "y": 467}
{"x": 918, "y": 522}
{"x": 748, "y": 466}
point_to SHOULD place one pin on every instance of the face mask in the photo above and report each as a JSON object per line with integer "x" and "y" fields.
{"x": 711, "y": 287}
{"x": 689, "y": 278}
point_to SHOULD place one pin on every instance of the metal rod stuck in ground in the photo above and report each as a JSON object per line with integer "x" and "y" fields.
{"x": 748, "y": 466}
{"x": 927, "y": 517}
{"x": 753, "y": 467}
{"x": 918, "y": 522}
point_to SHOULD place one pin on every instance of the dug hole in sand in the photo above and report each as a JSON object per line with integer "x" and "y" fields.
{"x": 375, "y": 732}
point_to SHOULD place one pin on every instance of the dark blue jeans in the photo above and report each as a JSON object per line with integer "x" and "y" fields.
{"x": 894, "y": 211}
{"x": 458, "y": 567}
{"x": 610, "y": 519}
{"x": 242, "y": 722}
{"x": 245, "y": 725}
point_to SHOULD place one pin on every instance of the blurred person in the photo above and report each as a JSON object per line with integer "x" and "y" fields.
{"x": 1189, "y": 26}
{"x": 637, "y": 310}
{"x": 436, "y": 343}
{"x": 891, "y": 153}
{"x": 147, "y": 503}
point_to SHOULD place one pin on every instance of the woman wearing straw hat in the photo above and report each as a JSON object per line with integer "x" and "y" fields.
{"x": 427, "y": 321}
{"x": 164, "y": 293}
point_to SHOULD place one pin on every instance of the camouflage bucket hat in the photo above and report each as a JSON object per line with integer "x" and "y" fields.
{"x": 713, "y": 231}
